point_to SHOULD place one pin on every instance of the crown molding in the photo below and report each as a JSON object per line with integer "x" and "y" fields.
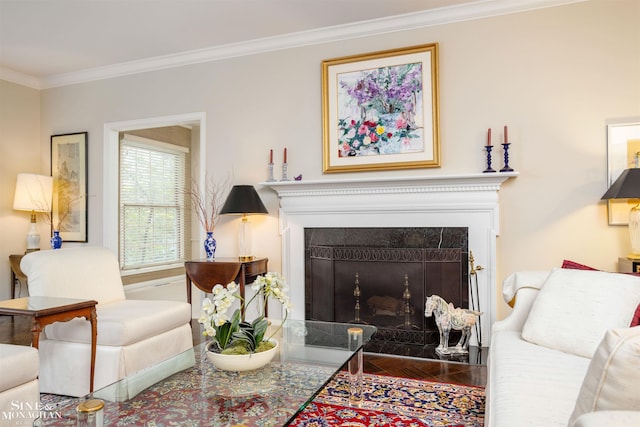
{"x": 20, "y": 78}
{"x": 411, "y": 21}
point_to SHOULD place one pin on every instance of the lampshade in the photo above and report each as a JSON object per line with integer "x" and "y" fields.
{"x": 243, "y": 199}
{"x": 33, "y": 193}
{"x": 627, "y": 186}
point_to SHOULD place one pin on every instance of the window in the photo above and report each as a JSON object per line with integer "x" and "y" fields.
{"x": 151, "y": 188}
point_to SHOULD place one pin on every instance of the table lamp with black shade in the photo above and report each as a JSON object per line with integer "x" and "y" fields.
{"x": 627, "y": 186}
{"x": 244, "y": 200}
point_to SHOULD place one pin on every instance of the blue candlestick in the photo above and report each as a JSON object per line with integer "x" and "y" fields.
{"x": 488, "y": 169}
{"x": 506, "y": 167}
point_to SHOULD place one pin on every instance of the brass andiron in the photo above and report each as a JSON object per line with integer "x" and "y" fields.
{"x": 406, "y": 296}
{"x": 356, "y": 294}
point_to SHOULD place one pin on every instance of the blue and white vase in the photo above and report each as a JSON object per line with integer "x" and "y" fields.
{"x": 210, "y": 246}
{"x": 56, "y": 240}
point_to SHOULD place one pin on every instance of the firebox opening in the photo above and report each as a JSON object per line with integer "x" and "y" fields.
{"x": 382, "y": 276}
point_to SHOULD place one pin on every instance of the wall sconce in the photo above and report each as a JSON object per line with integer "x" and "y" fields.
{"x": 627, "y": 186}
{"x": 33, "y": 193}
{"x": 243, "y": 199}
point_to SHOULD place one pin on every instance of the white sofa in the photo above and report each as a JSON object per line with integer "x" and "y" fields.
{"x": 19, "y": 395}
{"x": 566, "y": 356}
{"x": 134, "y": 336}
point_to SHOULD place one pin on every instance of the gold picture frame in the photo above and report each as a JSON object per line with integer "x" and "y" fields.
{"x": 380, "y": 110}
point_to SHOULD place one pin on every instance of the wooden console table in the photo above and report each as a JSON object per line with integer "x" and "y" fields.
{"x": 47, "y": 310}
{"x": 206, "y": 274}
{"x": 17, "y": 276}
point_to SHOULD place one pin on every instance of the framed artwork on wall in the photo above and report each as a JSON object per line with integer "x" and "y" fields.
{"x": 380, "y": 111}
{"x": 69, "y": 170}
{"x": 623, "y": 152}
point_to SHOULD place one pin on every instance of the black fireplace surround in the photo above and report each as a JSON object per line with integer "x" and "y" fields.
{"x": 382, "y": 276}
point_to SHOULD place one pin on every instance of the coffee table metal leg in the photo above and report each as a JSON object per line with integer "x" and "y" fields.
{"x": 355, "y": 365}
{"x": 93, "y": 319}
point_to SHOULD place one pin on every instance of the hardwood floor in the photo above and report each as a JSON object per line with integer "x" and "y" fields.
{"x": 17, "y": 331}
{"x": 431, "y": 370}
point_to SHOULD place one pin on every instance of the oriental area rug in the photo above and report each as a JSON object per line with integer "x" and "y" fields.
{"x": 395, "y": 402}
{"x": 387, "y": 401}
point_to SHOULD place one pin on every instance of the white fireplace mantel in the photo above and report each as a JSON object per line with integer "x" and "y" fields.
{"x": 430, "y": 201}
{"x": 420, "y": 184}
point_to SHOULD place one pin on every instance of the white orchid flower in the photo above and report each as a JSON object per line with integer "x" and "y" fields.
{"x": 203, "y": 319}
{"x": 214, "y": 309}
{"x": 206, "y": 304}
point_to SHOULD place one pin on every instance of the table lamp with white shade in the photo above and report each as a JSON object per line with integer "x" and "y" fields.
{"x": 33, "y": 193}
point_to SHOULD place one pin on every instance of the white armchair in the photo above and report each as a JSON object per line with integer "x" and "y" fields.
{"x": 18, "y": 384}
{"x": 133, "y": 335}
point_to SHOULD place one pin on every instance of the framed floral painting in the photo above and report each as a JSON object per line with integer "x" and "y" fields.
{"x": 380, "y": 110}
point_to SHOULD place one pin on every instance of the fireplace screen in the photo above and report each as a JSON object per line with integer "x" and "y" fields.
{"x": 382, "y": 276}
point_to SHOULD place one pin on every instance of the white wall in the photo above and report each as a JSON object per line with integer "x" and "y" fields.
{"x": 553, "y": 75}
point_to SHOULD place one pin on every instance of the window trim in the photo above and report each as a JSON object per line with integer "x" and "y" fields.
{"x": 176, "y": 151}
{"x": 141, "y": 142}
{"x": 111, "y": 165}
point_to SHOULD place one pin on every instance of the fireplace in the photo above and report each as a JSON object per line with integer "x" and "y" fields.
{"x": 382, "y": 276}
{"x": 466, "y": 201}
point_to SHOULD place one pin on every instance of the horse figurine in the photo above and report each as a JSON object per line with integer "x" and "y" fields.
{"x": 448, "y": 318}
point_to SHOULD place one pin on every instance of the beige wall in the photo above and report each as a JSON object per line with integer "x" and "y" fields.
{"x": 555, "y": 76}
{"x": 20, "y": 151}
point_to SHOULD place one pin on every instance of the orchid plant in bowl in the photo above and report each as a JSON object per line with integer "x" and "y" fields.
{"x": 232, "y": 335}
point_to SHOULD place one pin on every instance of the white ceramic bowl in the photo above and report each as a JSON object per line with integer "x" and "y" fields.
{"x": 242, "y": 362}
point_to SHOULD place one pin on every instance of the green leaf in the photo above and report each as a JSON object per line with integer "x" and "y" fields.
{"x": 260, "y": 326}
{"x": 246, "y": 337}
{"x": 225, "y": 332}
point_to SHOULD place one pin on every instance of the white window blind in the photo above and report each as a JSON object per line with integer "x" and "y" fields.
{"x": 152, "y": 176}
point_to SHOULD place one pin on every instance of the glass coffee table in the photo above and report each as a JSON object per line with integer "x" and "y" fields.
{"x": 310, "y": 354}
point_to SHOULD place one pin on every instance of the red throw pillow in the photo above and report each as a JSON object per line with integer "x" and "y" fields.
{"x": 636, "y": 318}
{"x": 577, "y": 266}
